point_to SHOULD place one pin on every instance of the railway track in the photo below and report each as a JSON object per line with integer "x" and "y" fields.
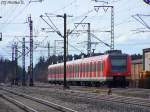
{"x": 18, "y": 104}
{"x": 32, "y": 104}
{"x": 113, "y": 98}
{"x": 127, "y": 92}
{"x": 123, "y": 103}
{"x": 132, "y": 101}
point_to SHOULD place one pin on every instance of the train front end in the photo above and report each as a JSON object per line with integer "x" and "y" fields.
{"x": 120, "y": 69}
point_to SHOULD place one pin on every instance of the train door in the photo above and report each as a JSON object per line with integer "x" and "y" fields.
{"x": 62, "y": 68}
{"x": 81, "y": 65}
{"x": 73, "y": 71}
{"x": 79, "y": 72}
{"x": 96, "y": 70}
{"x": 90, "y": 70}
{"x": 83, "y": 70}
{"x": 86, "y": 70}
{"x": 77, "y": 76}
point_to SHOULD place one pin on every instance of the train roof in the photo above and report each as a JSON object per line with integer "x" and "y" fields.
{"x": 83, "y": 60}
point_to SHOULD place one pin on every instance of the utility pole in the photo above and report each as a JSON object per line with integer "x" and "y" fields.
{"x": 31, "y": 83}
{"x": 16, "y": 64}
{"x": 89, "y": 40}
{"x": 54, "y": 48}
{"x": 112, "y": 22}
{"x": 13, "y": 50}
{"x": 13, "y": 65}
{"x": 65, "y": 36}
{"x": 48, "y": 46}
{"x": 23, "y": 62}
{"x": 65, "y": 39}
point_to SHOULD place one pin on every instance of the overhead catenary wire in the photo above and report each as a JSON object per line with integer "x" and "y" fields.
{"x": 56, "y": 29}
{"x": 17, "y": 15}
{"x": 64, "y": 7}
{"x": 60, "y": 33}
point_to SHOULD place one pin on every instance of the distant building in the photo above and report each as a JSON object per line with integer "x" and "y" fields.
{"x": 146, "y": 59}
{"x": 136, "y": 69}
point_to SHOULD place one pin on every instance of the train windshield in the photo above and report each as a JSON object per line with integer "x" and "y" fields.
{"x": 119, "y": 63}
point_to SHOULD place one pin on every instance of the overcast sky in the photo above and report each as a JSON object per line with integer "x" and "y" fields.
{"x": 14, "y": 23}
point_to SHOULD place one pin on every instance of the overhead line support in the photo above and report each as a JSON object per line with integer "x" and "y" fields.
{"x": 23, "y": 63}
{"x": 31, "y": 83}
{"x": 112, "y": 22}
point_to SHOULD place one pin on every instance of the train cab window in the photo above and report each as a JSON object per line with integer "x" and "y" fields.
{"x": 119, "y": 64}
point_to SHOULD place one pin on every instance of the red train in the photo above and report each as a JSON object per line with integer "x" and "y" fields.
{"x": 113, "y": 68}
